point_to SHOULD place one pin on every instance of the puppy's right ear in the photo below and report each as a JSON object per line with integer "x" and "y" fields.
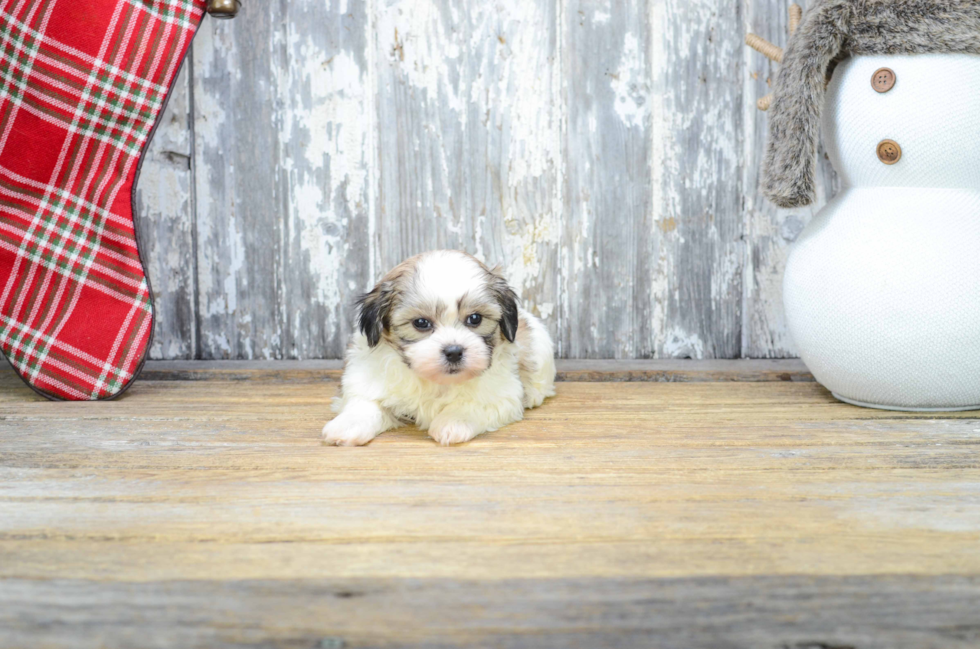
{"x": 373, "y": 311}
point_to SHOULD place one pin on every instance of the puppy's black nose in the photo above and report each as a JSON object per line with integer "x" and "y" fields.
{"x": 453, "y": 353}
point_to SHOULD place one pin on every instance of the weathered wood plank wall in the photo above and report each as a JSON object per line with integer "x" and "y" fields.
{"x": 603, "y": 152}
{"x": 469, "y": 135}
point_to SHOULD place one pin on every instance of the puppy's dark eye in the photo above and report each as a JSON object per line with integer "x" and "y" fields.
{"x": 474, "y": 320}
{"x": 421, "y": 324}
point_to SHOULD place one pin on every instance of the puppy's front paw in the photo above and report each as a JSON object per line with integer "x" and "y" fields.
{"x": 533, "y": 397}
{"x": 349, "y": 431}
{"x": 452, "y": 431}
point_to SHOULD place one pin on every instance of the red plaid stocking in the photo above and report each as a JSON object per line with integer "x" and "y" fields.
{"x": 81, "y": 87}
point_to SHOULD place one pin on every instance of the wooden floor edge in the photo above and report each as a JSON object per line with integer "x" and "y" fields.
{"x": 668, "y": 370}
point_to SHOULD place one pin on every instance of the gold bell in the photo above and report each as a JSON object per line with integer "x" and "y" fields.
{"x": 224, "y": 8}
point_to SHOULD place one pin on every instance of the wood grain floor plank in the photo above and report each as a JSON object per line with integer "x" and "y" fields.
{"x": 696, "y": 514}
{"x": 893, "y": 612}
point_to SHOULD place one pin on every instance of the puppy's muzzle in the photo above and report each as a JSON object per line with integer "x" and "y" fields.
{"x": 453, "y": 354}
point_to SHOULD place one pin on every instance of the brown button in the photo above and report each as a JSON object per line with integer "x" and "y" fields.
{"x": 889, "y": 152}
{"x": 883, "y": 80}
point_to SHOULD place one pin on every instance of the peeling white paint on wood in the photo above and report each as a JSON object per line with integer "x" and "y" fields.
{"x": 324, "y": 144}
{"x": 609, "y": 248}
{"x": 469, "y": 135}
{"x": 699, "y": 160}
{"x": 603, "y": 153}
{"x": 238, "y": 186}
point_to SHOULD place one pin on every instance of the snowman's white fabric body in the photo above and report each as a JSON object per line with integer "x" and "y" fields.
{"x": 882, "y": 289}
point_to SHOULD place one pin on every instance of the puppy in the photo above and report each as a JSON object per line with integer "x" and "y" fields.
{"x": 442, "y": 343}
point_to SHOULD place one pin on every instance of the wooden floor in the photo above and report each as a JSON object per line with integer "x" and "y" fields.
{"x": 201, "y": 510}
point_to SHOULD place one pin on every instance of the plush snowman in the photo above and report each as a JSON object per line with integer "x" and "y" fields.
{"x": 882, "y": 289}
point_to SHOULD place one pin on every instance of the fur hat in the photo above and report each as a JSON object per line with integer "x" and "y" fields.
{"x": 832, "y": 30}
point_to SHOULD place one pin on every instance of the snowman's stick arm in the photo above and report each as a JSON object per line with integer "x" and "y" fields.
{"x": 795, "y": 16}
{"x": 764, "y": 47}
{"x": 771, "y": 51}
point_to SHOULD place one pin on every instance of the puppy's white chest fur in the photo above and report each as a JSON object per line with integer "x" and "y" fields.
{"x": 457, "y": 358}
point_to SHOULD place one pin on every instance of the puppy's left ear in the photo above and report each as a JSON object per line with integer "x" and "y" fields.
{"x": 507, "y": 299}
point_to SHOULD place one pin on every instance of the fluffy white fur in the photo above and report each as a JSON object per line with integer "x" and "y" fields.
{"x": 395, "y": 382}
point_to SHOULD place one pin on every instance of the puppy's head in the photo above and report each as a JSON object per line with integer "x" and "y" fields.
{"x": 444, "y": 312}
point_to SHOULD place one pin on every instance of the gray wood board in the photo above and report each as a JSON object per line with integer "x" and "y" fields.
{"x": 238, "y": 183}
{"x": 861, "y": 612}
{"x": 469, "y": 137}
{"x": 603, "y": 154}
{"x": 165, "y": 222}
{"x": 282, "y": 99}
{"x": 610, "y": 251}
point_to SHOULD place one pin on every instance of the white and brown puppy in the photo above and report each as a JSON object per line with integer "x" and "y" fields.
{"x": 442, "y": 343}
